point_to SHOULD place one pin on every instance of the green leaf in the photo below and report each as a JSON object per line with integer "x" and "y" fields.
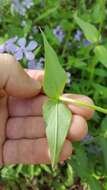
{"x": 94, "y": 183}
{"x": 101, "y": 54}
{"x": 90, "y": 31}
{"x": 103, "y": 145}
{"x": 58, "y": 118}
{"x": 80, "y": 161}
{"x": 100, "y": 89}
{"x": 98, "y": 12}
{"x": 55, "y": 77}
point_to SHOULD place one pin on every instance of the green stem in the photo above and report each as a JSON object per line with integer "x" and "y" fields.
{"x": 80, "y": 103}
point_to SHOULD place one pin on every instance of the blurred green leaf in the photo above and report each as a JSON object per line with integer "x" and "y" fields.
{"x": 94, "y": 183}
{"x": 101, "y": 54}
{"x": 90, "y": 31}
{"x": 102, "y": 90}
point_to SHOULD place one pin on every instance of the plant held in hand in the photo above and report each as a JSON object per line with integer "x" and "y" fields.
{"x": 56, "y": 114}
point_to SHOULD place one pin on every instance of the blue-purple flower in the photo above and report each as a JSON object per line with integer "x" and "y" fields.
{"x": 21, "y": 6}
{"x": 59, "y": 33}
{"x": 9, "y": 46}
{"x": 78, "y": 35}
{"x": 24, "y": 50}
{"x": 36, "y": 64}
{"x": 86, "y": 42}
{"x": 19, "y": 49}
{"x": 88, "y": 138}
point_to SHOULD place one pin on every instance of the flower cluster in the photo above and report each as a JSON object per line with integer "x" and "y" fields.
{"x": 78, "y": 36}
{"x": 20, "y": 49}
{"x": 59, "y": 33}
{"x": 21, "y": 6}
{"x": 36, "y": 64}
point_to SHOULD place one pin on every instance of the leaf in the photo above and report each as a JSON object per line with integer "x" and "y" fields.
{"x": 101, "y": 54}
{"x": 102, "y": 90}
{"x": 58, "y": 118}
{"x": 98, "y": 12}
{"x": 103, "y": 145}
{"x": 94, "y": 183}
{"x": 80, "y": 161}
{"x": 55, "y": 77}
{"x": 90, "y": 31}
{"x": 69, "y": 176}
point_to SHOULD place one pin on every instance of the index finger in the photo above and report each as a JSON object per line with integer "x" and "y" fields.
{"x": 33, "y": 106}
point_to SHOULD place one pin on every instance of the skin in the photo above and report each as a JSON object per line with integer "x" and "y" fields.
{"x": 22, "y": 131}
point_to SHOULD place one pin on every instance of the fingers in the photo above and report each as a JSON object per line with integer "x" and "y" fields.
{"x": 78, "y": 129}
{"x": 14, "y": 79}
{"x": 25, "y": 127}
{"x": 34, "y": 127}
{"x": 3, "y": 119}
{"x": 36, "y": 74}
{"x": 33, "y": 106}
{"x": 83, "y": 111}
{"x": 31, "y": 151}
{"x": 23, "y": 107}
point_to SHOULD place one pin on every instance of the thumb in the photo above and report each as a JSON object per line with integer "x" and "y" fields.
{"x": 14, "y": 80}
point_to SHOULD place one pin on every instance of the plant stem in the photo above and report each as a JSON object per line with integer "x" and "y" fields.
{"x": 80, "y": 103}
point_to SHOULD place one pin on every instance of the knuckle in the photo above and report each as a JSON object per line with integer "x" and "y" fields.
{"x": 10, "y": 58}
{"x": 6, "y": 59}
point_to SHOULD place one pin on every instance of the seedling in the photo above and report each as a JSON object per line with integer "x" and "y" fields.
{"x": 56, "y": 114}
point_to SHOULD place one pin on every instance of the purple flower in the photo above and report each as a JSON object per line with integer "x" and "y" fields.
{"x": 36, "y": 64}
{"x": 21, "y": 6}
{"x": 78, "y": 35}
{"x": 25, "y": 50}
{"x": 18, "y": 7}
{"x": 27, "y": 3}
{"x": 88, "y": 138}
{"x": 9, "y": 46}
{"x": 58, "y": 32}
{"x": 86, "y": 43}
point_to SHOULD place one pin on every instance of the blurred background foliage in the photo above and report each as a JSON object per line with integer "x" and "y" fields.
{"x": 77, "y": 29}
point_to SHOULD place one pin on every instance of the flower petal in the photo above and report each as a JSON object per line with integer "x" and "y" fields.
{"x": 10, "y": 48}
{"x": 22, "y": 42}
{"x": 29, "y": 55}
{"x": 32, "y": 45}
{"x": 19, "y": 54}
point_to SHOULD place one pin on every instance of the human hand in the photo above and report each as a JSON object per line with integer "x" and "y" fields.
{"x": 22, "y": 130}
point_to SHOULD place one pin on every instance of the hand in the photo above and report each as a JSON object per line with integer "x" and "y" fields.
{"x": 22, "y": 131}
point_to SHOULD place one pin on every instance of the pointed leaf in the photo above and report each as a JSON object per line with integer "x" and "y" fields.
{"x": 101, "y": 54}
{"x": 58, "y": 118}
{"x": 55, "y": 77}
{"x": 90, "y": 32}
